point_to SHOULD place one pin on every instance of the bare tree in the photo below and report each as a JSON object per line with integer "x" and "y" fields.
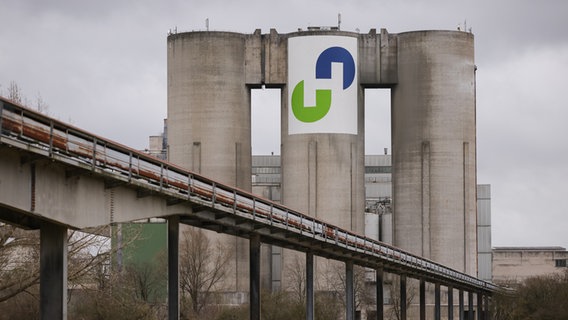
{"x": 87, "y": 253}
{"x": 394, "y": 288}
{"x": 335, "y": 282}
{"x": 118, "y": 299}
{"x": 19, "y": 254}
{"x": 202, "y": 266}
{"x": 326, "y": 301}
{"x": 133, "y": 291}
{"x": 540, "y": 297}
{"x": 296, "y": 272}
{"x": 15, "y": 93}
{"x": 40, "y": 104}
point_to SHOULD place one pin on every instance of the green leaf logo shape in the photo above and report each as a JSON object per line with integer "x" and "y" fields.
{"x": 310, "y": 113}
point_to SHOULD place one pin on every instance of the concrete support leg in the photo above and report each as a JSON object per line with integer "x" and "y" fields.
{"x": 380, "y": 294}
{"x": 422, "y": 299}
{"x": 402, "y": 297}
{"x": 173, "y": 268}
{"x": 450, "y": 303}
{"x": 437, "y": 308}
{"x": 254, "y": 244}
{"x": 461, "y": 308}
{"x": 470, "y": 305}
{"x": 349, "y": 291}
{"x": 53, "y": 271}
{"x": 309, "y": 286}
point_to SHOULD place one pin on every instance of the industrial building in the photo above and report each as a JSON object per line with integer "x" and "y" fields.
{"x": 513, "y": 265}
{"x": 322, "y": 74}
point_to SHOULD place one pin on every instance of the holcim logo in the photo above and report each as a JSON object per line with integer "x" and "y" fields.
{"x": 323, "y": 96}
{"x": 321, "y": 73}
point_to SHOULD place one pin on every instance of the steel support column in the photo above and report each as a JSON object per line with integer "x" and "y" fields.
{"x": 479, "y": 306}
{"x": 53, "y": 271}
{"x": 470, "y": 305}
{"x": 487, "y": 310}
{"x": 254, "y": 244}
{"x": 402, "y": 297}
{"x": 349, "y": 291}
{"x": 380, "y": 294}
{"x": 309, "y": 286}
{"x": 422, "y": 299}
{"x": 173, "y": 268}
{"x": 450, "y": 303}
{"x": 437, "y": 309}
{"x": 461, "y": 307}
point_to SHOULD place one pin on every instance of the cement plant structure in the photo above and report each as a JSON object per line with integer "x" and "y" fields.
{"x": 322, "y": 74}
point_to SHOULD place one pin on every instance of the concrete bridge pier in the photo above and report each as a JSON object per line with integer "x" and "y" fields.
{"x": 53, "y": 271}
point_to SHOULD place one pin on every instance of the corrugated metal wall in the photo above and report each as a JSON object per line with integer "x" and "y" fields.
{"x": 484, "y": 252}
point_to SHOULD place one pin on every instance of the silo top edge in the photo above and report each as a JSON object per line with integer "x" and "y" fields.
{"x": 257, "y": 32}
{"x": 187, "y": 34}
{"x": 452, "y": 32}
{"x": 318, "y": 32}
{"x": 322, "y": 33}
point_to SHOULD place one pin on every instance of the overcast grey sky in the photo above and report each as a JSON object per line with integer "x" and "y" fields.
{"x": 101, "y": 65}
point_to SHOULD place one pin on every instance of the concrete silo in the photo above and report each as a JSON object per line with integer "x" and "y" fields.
{"x": 322, "y": 136}
{"x": 209, "y": 126}
{"x": 323, "y": 156}
{"x": 209, "y": 106}
{"x": 434, "y": 147}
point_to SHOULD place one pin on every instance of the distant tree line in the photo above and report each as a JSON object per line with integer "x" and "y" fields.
{"x": 15, "y": 93}
{"x": 537, "y": 298}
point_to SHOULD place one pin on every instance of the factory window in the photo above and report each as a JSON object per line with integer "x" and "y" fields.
{"x": 266, "y": 170}
{"x": 561, "y": 263}
{"x": 378, "y": 169}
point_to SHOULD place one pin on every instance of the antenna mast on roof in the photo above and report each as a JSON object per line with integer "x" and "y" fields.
{"x": 339, "y": 21}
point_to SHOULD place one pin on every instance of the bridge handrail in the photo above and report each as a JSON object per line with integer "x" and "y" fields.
{"x": 56, "y": 137}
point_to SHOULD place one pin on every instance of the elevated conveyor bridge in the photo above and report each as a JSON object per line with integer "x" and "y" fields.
{"x": 208, "y": 204}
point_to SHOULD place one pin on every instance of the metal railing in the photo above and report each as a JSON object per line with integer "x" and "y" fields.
{"x": 32, "y": 131}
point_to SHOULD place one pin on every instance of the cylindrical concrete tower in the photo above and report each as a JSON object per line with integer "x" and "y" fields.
{"x": 209, "y": 123}
{"x": 323, "y": 129}
{"x": 434, "y": 147}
